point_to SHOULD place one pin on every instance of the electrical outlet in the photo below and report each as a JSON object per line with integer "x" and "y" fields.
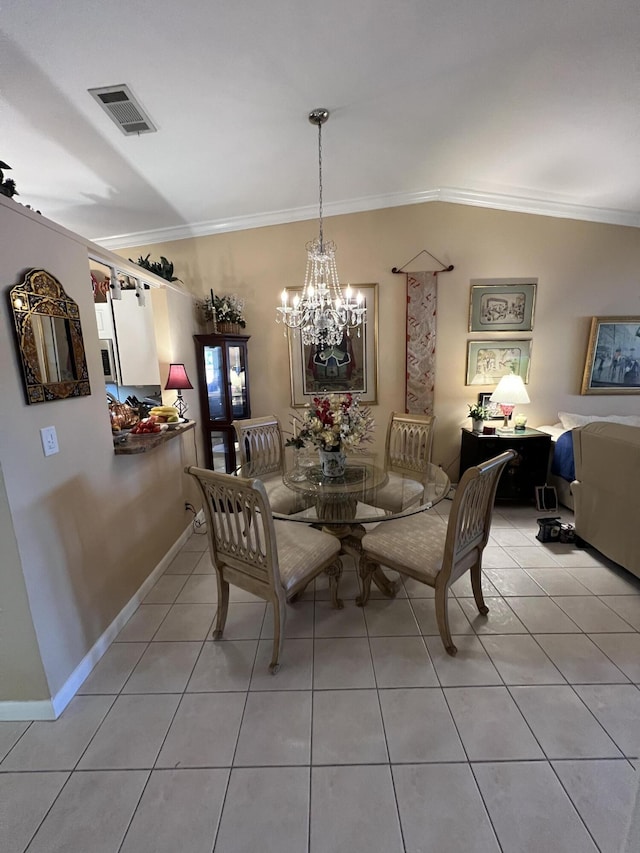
{"x": 49, "y": 440}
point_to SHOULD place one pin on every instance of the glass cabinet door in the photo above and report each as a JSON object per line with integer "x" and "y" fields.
{"x": 237, "y": 381}
{"x": 214, "y": 377}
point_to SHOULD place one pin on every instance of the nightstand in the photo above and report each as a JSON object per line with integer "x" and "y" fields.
{"x": 526, "y": 471}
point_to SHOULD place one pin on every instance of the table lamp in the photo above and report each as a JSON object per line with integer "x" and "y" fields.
{"x": 178, "y": 381}
{"x": 509, "y": 393}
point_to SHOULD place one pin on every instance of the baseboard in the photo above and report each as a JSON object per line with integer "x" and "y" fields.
{"x": 50, "y": 709}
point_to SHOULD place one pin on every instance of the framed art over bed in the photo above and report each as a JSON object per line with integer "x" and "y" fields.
{"x": 612, "y": 365}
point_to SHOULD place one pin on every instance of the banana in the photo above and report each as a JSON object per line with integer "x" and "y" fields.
{"x": 163, "y": 410}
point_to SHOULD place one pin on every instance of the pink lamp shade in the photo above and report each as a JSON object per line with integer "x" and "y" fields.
{"x": 177, "y": 379}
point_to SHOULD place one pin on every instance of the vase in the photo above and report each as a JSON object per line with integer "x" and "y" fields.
{"x": 229, "y": 328}
{"x": 477, "y": 425}
{"x": 333, "y": 462}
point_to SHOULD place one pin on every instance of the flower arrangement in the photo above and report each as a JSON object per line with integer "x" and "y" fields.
{"x": 334, "y": 422}
{"x": 224, "y": 309}
{"x": 478, "y": 412}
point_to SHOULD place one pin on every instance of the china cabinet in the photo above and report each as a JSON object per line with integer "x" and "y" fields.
{"x": 223, "y": 387}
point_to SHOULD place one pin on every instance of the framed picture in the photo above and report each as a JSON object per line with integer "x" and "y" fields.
{"x": 495, "y": 413}
{"x": 351, "y": 366}
{"x": 613, "y": 356}
{"x": 487, "y": 361}
{"x": 502, "y": 306}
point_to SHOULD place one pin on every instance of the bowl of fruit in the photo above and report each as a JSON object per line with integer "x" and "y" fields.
{"x": 147, "y": 426}
{"x": 166, "y": 415}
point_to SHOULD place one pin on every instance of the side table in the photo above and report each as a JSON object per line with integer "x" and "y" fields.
{"x": 526, "y": 471}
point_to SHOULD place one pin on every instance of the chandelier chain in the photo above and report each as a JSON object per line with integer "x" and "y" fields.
{"x": 320, "y": 181}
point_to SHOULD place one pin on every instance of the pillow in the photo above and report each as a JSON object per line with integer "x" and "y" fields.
{"x": 569, "y": 421}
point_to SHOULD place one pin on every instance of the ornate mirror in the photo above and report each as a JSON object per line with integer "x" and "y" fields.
{"x": 49, "y": 336}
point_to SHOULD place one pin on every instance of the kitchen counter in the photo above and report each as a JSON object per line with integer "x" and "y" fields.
{"x": 127, "y": 444}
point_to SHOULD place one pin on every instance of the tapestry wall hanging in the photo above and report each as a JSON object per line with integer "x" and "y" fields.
{"x": 421, "y": 342}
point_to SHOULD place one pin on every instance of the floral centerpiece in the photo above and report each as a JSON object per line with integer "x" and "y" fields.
{"x": 225, "y": 310}
{"x": 334, "y": 423}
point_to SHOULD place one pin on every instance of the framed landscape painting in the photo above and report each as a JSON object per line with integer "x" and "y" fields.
{"x": 349, "y": 367}
{"x": 612, "y": 365}
{"x": 488, "y": 361}
{"x": 502, "y": 306}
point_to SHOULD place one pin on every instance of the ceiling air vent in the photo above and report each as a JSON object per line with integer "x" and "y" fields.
{"x": 120, "y": 105}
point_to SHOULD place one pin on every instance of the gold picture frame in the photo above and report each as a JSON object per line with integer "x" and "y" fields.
{"x": 502, "y": 305}
{"x": 352, "y": 367}
{"x": 612, "y": 365}
{"x": 488, "y": 361}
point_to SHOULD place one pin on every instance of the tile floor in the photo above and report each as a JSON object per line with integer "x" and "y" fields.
{"x": 370, "y": 738}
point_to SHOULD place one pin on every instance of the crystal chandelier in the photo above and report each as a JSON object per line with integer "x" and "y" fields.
{"x": 323, "y": 313}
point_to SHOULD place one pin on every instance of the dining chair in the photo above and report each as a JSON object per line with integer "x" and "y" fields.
{"x": 425, "y": 547}
{"x": 261, "y": 451}
{"x": 274, "y": 560}
{"x": 406, "y": 461}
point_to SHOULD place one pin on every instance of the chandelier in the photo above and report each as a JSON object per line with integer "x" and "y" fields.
{"x": 323, "y": 313}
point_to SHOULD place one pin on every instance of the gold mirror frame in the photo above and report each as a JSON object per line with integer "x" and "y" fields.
{"x": 49, "y": 339}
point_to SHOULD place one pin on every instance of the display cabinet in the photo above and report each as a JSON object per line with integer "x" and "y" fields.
{"x": 223, "y": 386}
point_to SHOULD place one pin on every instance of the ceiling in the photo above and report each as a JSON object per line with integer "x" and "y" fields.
{"x": 530, "y": 105}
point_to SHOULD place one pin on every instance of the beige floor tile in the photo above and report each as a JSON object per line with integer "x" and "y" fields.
{"x": 425, "y": 613}
{"x": 591, "y": 615}
{"x": 462, "y": 587}
{"x": 624, "y": 651}
{"x": 164, "y": 668}
{"x": 390, "y": 618}
{"x": 166, "y": 590}
{"x": 354, "y": 809}
{"x": 347, "y": 728}
{"x": 299, "y": 623}
{"x": 238, "y": 594}
{"x": 513, "y": 582}
{"x": 542, "y": 615}
{"x": 204, "y": 565}
{"x": 402, "y": 662}
{"x": 179, "y": 810}
{"x": 199, "y": 589}
{"x": 183, "y": 563}
{"x": 196, "y": 542}
{"x": 520, "y": 660}
{"x": 204, "y": 731}
{"x": 529, "y": 809}
{"x": 25, "y": 798}
{"x": 92, "y": 813}
{"x": 10, "y": 734}
{"x": 114, "y": 667}
{"x": 470, "y": 666}
{"x": 59, "y": 744}
{"x": 509, "y": 537}
{"x": 602, "y": 580}
{"x": 561, "y": 723}
{"x": 617, "y": 707}
{"x": 415, "y": 589}
{"x": 603, "y": 793}
{"x": 186, "y": 622}
{"x": 223, "y": 665}
{"x": 132, "y": 733}
{"x": 143, "y": 624}
{"x": 348, "y": 589}
{"x": 499, "y": 620}
{"x": 419, "y": 726}
{"x": 496, "y": 557}
{"x": 626, "y": 606}
{"x": 342, "y": 663}
{"x": 266, "y": 809}
{"x": 441, "y": 809}
{"x": 579, "y": 557}
{"x": 490, "y": 724}
{"x": 296, "y": 666}
{"x": 348, "y": 622}
{"x": 579, "y": 659}
{"x": 244, "y": 620}
{"x": 532, "y": 557}
{"x": 275, "y": 730}
{"x": 557, "y": 582}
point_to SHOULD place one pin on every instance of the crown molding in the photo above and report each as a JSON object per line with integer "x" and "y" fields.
{"x": 453, "y": 195}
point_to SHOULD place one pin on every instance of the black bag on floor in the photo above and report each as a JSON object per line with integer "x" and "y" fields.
{"x": 553, "y": 530}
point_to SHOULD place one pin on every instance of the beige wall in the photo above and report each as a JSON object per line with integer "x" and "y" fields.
{"x": 584, "y": 270}
{"x": 89, "y": 526}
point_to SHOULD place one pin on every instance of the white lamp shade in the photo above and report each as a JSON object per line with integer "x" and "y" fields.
{"x": 510, "y": 390}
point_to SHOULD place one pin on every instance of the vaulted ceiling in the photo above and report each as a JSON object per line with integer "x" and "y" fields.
{"x": 529, "y": 105}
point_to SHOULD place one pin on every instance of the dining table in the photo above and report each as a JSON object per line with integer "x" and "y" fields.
{"x": 347, "y": 505}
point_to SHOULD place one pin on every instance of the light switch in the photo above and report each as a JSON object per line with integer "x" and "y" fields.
{"x": 49, "y": 440}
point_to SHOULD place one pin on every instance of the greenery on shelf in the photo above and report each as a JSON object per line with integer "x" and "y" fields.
{"x": 163, "y": 267}
{"x": 478, "y": 412}
{"x": 226, "y": 309}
